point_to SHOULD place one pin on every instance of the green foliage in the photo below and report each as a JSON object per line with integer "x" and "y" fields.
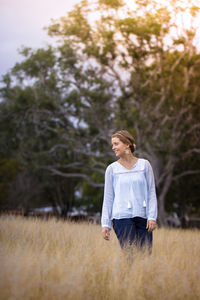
{"x": 61, "y": 104}
{"x": 75, "y": 25}
{"x": 111, "y": 3}
{"x": 37, "y": 64}
{"x": 194, "y": 10}
{"x": 9, "y": 168}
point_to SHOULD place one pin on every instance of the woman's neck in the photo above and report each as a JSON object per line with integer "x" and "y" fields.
{"x": 130, "y": 158}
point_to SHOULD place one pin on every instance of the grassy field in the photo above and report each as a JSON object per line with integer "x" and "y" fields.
{"x": 61, "y": 260}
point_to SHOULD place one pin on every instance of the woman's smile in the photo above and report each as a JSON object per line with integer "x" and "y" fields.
{"x": 118, "y": 146}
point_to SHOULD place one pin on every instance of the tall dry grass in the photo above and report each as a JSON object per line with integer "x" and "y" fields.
{"x": 61, "y": 260}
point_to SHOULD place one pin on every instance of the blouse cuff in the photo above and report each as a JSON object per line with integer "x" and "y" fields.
{"x": 106, "y": 225}
{"x": 153, "y": 219}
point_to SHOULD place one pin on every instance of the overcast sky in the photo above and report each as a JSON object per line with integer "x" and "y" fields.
{"x": 22, "y": 22}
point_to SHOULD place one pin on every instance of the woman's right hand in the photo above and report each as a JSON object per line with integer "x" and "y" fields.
{"x": 106, "y": 233}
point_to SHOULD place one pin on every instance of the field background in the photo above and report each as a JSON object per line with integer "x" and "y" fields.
{"x": 61, "y": 260}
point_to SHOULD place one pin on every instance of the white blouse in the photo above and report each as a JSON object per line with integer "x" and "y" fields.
{"x": 129, "y": 193}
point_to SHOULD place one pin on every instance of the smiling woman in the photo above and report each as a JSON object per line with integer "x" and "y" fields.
{"x": 130, "y": 201}
{"x": 119, "y": 141}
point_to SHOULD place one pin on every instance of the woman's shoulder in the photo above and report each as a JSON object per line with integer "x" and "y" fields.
{"x": 111, "y": 166}
{"x": 145, "y": 162}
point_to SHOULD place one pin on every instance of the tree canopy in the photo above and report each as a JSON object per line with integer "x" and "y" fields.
{"x": 114, "y": 67}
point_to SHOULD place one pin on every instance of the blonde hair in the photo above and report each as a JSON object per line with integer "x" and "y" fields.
{"x": 125, "y": 137}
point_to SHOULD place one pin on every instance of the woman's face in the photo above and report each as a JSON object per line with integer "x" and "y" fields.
{"x": 119, "y": 147}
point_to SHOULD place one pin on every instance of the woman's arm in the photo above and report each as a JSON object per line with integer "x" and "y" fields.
{"x": 108, "y": 199}
{"x": 151, "y": 193}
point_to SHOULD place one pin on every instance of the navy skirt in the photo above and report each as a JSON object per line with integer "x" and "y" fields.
{"x": 133, "y": 231}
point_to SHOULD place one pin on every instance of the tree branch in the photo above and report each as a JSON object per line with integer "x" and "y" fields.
{"x": 73, "y": 175}
{"x": 185, "y": 173}
{"x": 190, "y": 152}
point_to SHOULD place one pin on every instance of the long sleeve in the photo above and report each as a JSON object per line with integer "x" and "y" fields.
{"x": 108, "y": 198}
{"x": 151, "y": 192}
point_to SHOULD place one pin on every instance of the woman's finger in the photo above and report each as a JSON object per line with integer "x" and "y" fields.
{"x": 106, "y": 234}
{"x": 151, "y": 225}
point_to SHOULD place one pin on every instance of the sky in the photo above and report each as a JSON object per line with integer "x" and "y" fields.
{"x": 22, "y": 23}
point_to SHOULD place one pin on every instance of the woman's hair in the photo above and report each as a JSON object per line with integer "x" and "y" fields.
{"x": 125, "y": 137}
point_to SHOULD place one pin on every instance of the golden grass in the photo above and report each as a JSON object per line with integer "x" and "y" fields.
{"x": 62, "y": 260}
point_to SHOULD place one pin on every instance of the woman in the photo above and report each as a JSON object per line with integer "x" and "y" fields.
{"x": 129, "y": 195}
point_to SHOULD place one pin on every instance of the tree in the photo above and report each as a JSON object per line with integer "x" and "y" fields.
{"x": 159, "y": 86}
{"x": 132, "y": 68}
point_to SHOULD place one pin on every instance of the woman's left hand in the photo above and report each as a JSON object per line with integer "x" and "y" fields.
{"x": 151, "y": 225}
